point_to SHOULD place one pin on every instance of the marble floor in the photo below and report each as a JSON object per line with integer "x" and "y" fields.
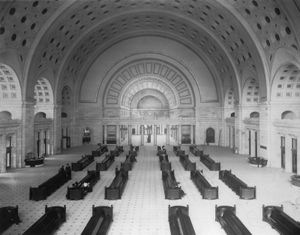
{"x": 143, "y": 209}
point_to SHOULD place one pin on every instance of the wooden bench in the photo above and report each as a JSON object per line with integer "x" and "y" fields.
{"x": 196, "y": 151}
{"x": 179, "y": 221}
{"x": 100, "y": 150}
{"x": 226, "y": 216}
{"x": 206, "y": 190}
{"x": 32, "y": 162}
{"x": 280, "y": 221}
{"x": 78, "y": 191}
{"x": 165, "y": 165}
{"x": 47, "y": 224}
{"x": 48, "y": 187}
{"x": 210, "y": 163}
{"x": 128, "y": 163}
{"x": 237, "y": 185}
{"x": 8, "y": 216}
{"x": 82, "y": 163}
{"x": 171, "y": 189}
{"x": 187, "y": 164}
{"x": 105, "y": 163}
{"x": 115, "y": 190}
{"x": 258, "y": 161}
{"x": 100, "y": 221}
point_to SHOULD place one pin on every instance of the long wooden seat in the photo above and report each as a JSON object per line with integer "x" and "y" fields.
{"x": 129, "y": 161}
{"x": 210, "y": 163}
{"x": 206, "y": 190}
{"x": 196, "y": 151}
{"x": 186, "y": 163}
{"x": 79, "y": 190}
{"x": 280, "y": 221}
{"x": 8, "y": 216}
{"x": 165, "y": 165}
{"x": 171, "y": 188}
{"x": 100, "y": 221}
{"x": 105, "y": 163}
{"x": 237, "y": 185}
{"x": 115, "y": 190}
{"x": 226, "y": 216}
{"x": 100, "y": 150}
{"x": 48, "y": 187}
{"x": 82, "y": 163}
{"x": 179, "y": 221}
{"x": 47, "y": 224}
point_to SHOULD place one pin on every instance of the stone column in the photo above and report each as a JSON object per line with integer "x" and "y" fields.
{"x": 179, "y": 134}
{"x": 155, "y": 135}
{"x": 142, "y": 134}
{"x": 105, "y": 134}
{"x": 168, "y": 135}
{"x": 118, "y": 136}
{"x": 2, "y": 153}
{"x": 55, "y": 138}
{"x": 267, "y": 150}
{"x": 129, "y": 134}
{"x": 27, "y": 129}
{"x": 192, "y": 134}
{"x": 288, "y": 154}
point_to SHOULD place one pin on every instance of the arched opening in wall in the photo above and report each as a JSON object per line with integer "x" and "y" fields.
{"x": 288, "y": 115}
{"x": 210, "y": 135}
{"x": 254, "y": 115}
{"x": 10, "y": 115}
{"x": 5, "y": 116}
{"x": 66, "y": 98}
{"x": 43, "y": 121}
{"x": 285, "y": 98}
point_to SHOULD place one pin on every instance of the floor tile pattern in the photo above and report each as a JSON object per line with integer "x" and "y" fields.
{"x": 143, "y": 209}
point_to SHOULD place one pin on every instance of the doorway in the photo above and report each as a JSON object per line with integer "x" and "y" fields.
{"x": 148, "y": 135}
{"x": 8, "y": 152}
{"x": 294, "y": 155}
{"x": 282, "y": 147}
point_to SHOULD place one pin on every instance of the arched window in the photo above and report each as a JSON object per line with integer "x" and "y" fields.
{"x": 10, "y": 91}
{"x": 210, "y": 135}
{"x": 288, "y": 115}
{"x": 5, "y": 116}
{"x": 254, "y": 115}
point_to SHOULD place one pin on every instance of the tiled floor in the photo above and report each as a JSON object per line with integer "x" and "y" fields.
{"x": 143, "y": 209}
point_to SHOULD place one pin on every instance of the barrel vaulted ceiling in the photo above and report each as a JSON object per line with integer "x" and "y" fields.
{"x": 66, "y": 35}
